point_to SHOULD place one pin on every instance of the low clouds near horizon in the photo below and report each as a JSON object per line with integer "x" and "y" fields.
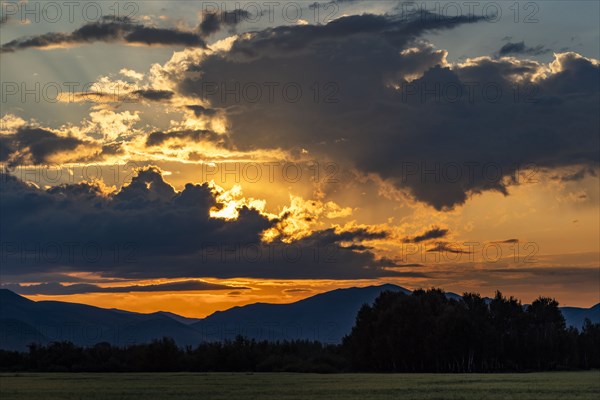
{"x": 149, "y": 230}
{"x": 58, "y": 289}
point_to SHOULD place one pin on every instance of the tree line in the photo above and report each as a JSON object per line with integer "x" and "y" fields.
{"x": 428, "y": 332}
{"x": 424, "y": 331}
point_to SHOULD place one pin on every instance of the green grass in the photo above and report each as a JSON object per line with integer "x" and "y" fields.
{"x": 283, "y": 386}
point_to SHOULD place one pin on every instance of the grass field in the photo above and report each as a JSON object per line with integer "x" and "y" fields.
{"x": 235, "y": 386}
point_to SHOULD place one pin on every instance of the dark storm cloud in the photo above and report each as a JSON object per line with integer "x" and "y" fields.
{"x": 112, "y": 149}
{"x": 122, "y": 29}
{"x": 395, "y": 30}
{"x": 57, "y": 289}
{"x": 442, "y": 247}
{"x": 521, "y": 48}
{"x": 109, "y": 29}
{"x": 34, "y": 146}
{"x": 393, "y": 108}
{"x": 150, "y": 36}
{"x": 154, "y": 95}
{"x": 200, "y": 111}
{"x": 150, "y": 230}
{"x": 127, "y": 97}
{"x": 159, "y": 138}
{"x": 213, "y": 22}
{"x": 434, "y": 233}
{"x": 47, "y": 277}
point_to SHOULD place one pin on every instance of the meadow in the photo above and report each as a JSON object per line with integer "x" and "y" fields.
{"x": 289, "y": 386}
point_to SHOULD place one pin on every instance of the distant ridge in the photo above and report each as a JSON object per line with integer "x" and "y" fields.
{"x": 326, "y": 317}
{"x": 576, "y": 316}
{"x": 27, "y": 321}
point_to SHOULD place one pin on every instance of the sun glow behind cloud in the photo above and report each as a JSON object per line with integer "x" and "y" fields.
{"x": 160, "y": 117}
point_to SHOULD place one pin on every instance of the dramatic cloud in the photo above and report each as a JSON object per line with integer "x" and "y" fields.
{"x": 442, "y": 247}
{"x": 406, "y": 126}
{"x": 34, "y": 146}
{"x": 434, "y": 233}
{"x": 57, "y": 289}
{"x": 200, "y": 111}
{"x": 149, "y": 230}
{"x": 159, "y": 138}
{"x": 213, "y": 22}
{"x": 391, "y": 29}
{"x": 365, "y": 91}
{"x": 154, "y": 95}
{"x": 109, "y": 29}
{"x": 520, "y": 48}
{"x": 368, "y": 93}
{"x": 113, "y": 29}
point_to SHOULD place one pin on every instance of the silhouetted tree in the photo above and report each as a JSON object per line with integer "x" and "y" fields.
{"x": 429, "y": 332}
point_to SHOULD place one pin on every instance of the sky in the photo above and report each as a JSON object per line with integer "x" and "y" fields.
{"x": 194, "y": 156}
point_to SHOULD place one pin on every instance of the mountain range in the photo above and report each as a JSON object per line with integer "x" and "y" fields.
{"x": 326, "y": 317}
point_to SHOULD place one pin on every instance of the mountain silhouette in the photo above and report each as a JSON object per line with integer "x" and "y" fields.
{"x": 24, "y": 321}
{"x": 325, "y": 317}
